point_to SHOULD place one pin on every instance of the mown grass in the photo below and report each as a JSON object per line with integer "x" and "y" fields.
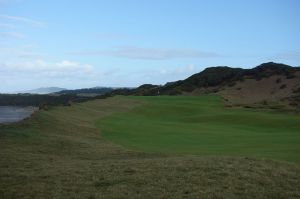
{"x": 61, "y": 153}
{"x": 201, "y": 125}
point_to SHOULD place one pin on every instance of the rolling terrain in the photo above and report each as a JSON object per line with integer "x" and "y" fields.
{"x": 270, "y": 85}
{"x": 61, "y": 153}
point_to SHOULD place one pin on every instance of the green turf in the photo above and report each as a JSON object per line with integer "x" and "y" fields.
{"x": 201, "y": 125}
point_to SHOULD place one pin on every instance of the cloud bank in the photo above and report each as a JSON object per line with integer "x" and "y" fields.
{"x": 7, "y": 25}
{"x": 23, "y": 20}
{"x": 42, "y": 68}
{"x": 15, "y": 35}
{"x": 291, "y": 55}
{"x": 133, "y": 52}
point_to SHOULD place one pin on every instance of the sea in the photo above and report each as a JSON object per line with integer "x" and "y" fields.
{"x": 11, "y": 114}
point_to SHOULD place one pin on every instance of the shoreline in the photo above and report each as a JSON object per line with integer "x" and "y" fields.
{"x": 17, "y": 114}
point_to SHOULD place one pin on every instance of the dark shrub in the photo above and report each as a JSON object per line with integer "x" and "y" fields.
{"x": 174, "y": 92}
{"x": 258, "y": 78}
{"x": 290, "y": 76}
{"x": 278, "y": 80}
{"x": 283, "y": 86}
{"x": 231, "y": 84}
{"x": 297, "y": 90}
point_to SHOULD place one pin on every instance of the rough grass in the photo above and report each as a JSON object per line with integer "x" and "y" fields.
{"x": 201, "y": 125}
{"x": 60, "y": 153}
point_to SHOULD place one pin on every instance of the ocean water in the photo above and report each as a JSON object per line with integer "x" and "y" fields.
{"x": 10, "y": 114}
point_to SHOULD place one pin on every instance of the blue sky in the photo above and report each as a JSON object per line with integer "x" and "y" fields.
{"x": 75, "y": 44}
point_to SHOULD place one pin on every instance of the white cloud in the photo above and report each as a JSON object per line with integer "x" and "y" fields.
{"x": 41, "y": 67}
{"x": 188, "y": 69}
{"x": 111, "y": 36}
{"x": 23, "y": 20}
{"x": 14, "y": 53}
{"x": 9, "y": 1}
{"x": 23, "y": 67}
{"x": 23, "y": 75}
{"x": 133, "y": 52}
{"x": 165, "y": 74}
{"x": 291, "y": 55}
{"x": 7, "y": 25}
{"x": 15, "y": 35}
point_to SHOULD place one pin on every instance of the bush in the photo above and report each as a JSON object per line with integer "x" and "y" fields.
{"x": 278, "y": 80}
{"x": 283, "y": 86}
{"x": 257, "y": 78}
{"x": 174, "y": 92}
{"x": 43, "y": 106}
{"x": 290, "y": 76}
{"x": 231, "y": 84}
{"x": 297, "y": 90}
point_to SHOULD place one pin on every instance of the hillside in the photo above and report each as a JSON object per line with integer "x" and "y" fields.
{"x": 43, "y": 90}
{"x": 88, "y": 91}
{"x": 43, "y": 101}
{"x": 267, "y": 84}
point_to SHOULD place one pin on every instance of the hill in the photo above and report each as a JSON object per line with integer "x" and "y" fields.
{"x": 271, "y": 84}
{"x": 44, "y": 100}
{"x": 88, "y": 91}
{"x": 43, "y": 90}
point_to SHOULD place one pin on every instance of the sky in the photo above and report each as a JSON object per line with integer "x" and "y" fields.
{"x": 126, "y": 43}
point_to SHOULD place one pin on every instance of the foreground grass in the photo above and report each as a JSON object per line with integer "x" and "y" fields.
{"x": 61, "y": 154}
{"x": 201, "y": 125}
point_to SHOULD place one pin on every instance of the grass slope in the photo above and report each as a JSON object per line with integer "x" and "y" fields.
{"x": 201, "y": 125}
{"x": 60, "y": 154}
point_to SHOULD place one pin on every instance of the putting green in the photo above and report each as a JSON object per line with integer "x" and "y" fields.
{"x": 202, "y": 125}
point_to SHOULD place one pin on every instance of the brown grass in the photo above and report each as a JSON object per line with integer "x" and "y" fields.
{"x": 273, "y": 90}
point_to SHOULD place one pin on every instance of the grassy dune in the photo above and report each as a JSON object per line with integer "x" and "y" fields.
{"x": 61, "y": 153}
{"x": 201, "y": 125}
